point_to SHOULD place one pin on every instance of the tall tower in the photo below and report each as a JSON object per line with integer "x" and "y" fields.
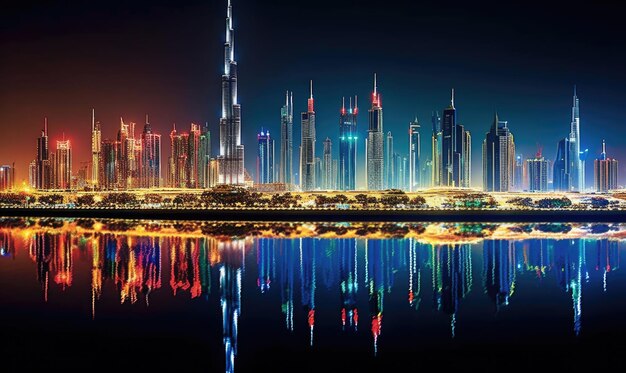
{"x": 42, "y": 165}
{"x": 347, "y": 145}
{"x": 193, "y": 160}
{"x": 231, "y": 166}
{"x": 498, "y": 158}
{"x": 150, "y": 157}
{"x": 448, "y": 138}
{"x": 576, "y": 172}
{"x": 204, "y": 157}
{"x": 265, "y": 158}
{"x": 605, "y": 172}
{"x": 415, "y": 150}
{"x": 96, "y": 150}
{"x": 123, "y": 153}
{"x": 375, "y": 141}
{"x": 63, "y": 165}
{"x": 286, "y": 140}
{"x": 327, "y": 166}
{"x": 307, "y": 157}
{"x": 389, "y": 169}
{"x": 436, "y": 141}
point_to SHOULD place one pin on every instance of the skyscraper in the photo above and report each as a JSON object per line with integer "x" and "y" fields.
{"x": 389, "y": 165}
{"x": 265, "y": 158}
{"x": 498, "y": 158}
{"x": 286, "y": 141}
{"x": 327, "y": 166}
{"x": 307, "y": 156}
{"x": 374, "y": 146}
{"x": 179, "y": 152}
{"x": 347, "y": 145}
{"x": 96, "y": 150}
{"x": 436, "y": 142}
{"x": 448, "y": 144}
{"x": 231, "y": 168}
{"x": 63, "y": 167}
{"x": 151, "y": 157}
{"x": 204, "y": 157}
{"x": 537, "y": 174}
{"x": 43, "y": 166}
{"x": 605, "y": 172}
{"x": 518, "y": 177}
{"x": 122, "y": 155}
{"x": 415, "y": 180}
{"x": 561, "y": 180}
{"x": 7, "y": 177}
{"x": 110, "y": 156}
{"x": 193, "y": 160}
{"x": 577, "y": 183}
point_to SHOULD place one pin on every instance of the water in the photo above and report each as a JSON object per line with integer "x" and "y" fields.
{"x": 243, "y": 297}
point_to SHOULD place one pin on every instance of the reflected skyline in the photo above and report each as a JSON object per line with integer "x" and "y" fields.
{"x": 307, "y": 270}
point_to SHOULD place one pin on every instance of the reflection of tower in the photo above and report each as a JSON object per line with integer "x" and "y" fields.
{"x": 607, "y": 254}
{"x": 230, "y": 296}
{"x": 376, "y": 265}
{"x": 287, "y": 265}
{"x": 63, "y": 260}
{"x": 349, "y": 284}
{"x": 185, "y": 266}
{"x": 307, "y": 280}
{"x": 96, "y": 274}
{"x": 415, "y": 273}
{"x": 452, "y": 278}
{"x": 149, "y": 264}
{"x": 499, "y": 270}
{"x": 569, "y": 263}
{"x": 265, "y": 263}
{"x": 7, "y": 244}
{"x": 41, "y": 251}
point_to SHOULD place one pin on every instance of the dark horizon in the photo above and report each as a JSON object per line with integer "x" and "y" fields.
{"x": 164, "y": 58}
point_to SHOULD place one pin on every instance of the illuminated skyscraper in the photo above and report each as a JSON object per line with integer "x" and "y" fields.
{"x": 231, "y": 168}
{"x": 123, "y": 155}
{"x": 193, "y": 160}
{"x": 415, "y": 179}
{"x": 519, "y": 173}
{"x": 562, "y": 177}
{"x": 328, "y": 176}
{"x": 389, "y": 164}
{"x": 498, "y": 158}
{"x": 204, "y": 157}
{"x": 537, "y": 174}
{"x": 151, "y": 157}
{"x": 110, "y": 149}
{"x": 7, "y": 177}
{"x": 347, "y": 145}
{"x": 576, "y": 172}
{"x": 447, "y": 144}
{"x": 307, "y": 156}
{"x": 179, "y": 152}
{"x": 63, "y": 167}
{"x": 43, "y": 166}
{"x": 265, "y": 158}
{"x": 286, "y": 141}
{"x": 605, "y": 172}
{"x": 436, "y": 142}
{"x": 96, "y": 150}
{"x": 374, "y": 145}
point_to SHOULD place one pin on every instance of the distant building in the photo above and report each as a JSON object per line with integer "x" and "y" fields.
{"x": 150, "y": 157}
{"x": 179, "y": 172}
{"x": 204, "y": 157}
{"x": 63, "y": 166}
{"x": 193, "y": 157}
{"x": 265, "y": 158}
{"x": 286, "y": 141}
{"x": 519, "y": 171}
{"x": 456, "y": 148}
{"x": 348, "y": 146}
{"x": 389, "y": 165}
{"x": 43, "y": 168}
{"x": 327, "y": 166}
{"x": 374, "y": 146}
{"x": 32, "y": 174}
{"x": 537, "y": 174}
{"x": 562, "y": 178}
{"x": 7, "y": 177}
{"x": 436, "y": 141}
{"x": 109, "y": 162}
{"x": 96, "y": 150}
{"x": 498, "y": 158}
{"x": 605, "y": 172}
{"x": 415, "y": 171}
{"x": 307, "y": 150}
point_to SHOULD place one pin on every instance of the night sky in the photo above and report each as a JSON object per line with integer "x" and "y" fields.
{"x": 165, "y": 58}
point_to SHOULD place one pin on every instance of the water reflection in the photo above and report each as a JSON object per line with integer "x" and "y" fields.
{"x": 360, "y": 270}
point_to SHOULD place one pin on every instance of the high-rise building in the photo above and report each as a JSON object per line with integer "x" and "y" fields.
{"x": 561, "y": 180}
{"x": 178, "y": 165}
{"x": 436, "y": 142}
{"x": 110, "y": 149}
{"x": 347, "y": 145}
{"x": 286, "y": 141}
{"x": 96, "y": 150}
{"x": 389, "y": 168}
{"x": 7, "y": 177}
{"x": 327, "y": 166}
{"x": 537, "y": 174}
{"x": 498, "y": 158}
{"x": 307, "y": 156}
{"x": 448, "y": 129}
{"x": 415, "y": 151}
{"x": 151, "y": 157}
{"x": 576, "y": 172}
{"x": 43, "y": 167}
{"x": 214, "y": 171}
{"x": 427, "y": 173}
{"x": 123, "y": 155}
{"x": 605, "y": 172}
{"x": 265, "y": 158}
{"x": 32, "y": 174}
{"x": 374, "y": 146}
{"x": 63, "y": 167}
{"x": 231, "y": 155}
{"x": 204, "y": 157}
{"x": 193, "y": 160}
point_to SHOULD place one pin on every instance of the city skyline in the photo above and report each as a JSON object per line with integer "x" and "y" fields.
{"x": 326, "y": 127}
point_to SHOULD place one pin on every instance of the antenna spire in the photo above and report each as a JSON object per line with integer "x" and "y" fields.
{"x": 452, "y": 99}
{"x": 45, "y": 126}
{"x": 375, "y": 85}
{"x": 311, "y": 87}
{"x": 93, "y": 119}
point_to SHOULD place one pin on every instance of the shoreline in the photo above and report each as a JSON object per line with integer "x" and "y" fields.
{"x": 246, "y": 214}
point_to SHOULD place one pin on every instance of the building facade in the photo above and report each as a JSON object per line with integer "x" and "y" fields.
{"x": 605, "y": 172}
{"x": 374, "y": 146}
{"x": 96, "y": 150}
{"x": 537, "y": 174}
{"x": 63, "y": 165}
{"x": 415, "y": 151}
{"x": 307, "y": 150}
{"x": 327, "y": 166}
{"x": 286, "y": 141}
{"x": 498, "y": 158}
{"x": 150, "y": 157}
{"x": 265, "y": 158}
{"x": 348, "y": 145}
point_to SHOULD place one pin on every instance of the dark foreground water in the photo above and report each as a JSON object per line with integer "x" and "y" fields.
{"x": 156, "y": 296}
